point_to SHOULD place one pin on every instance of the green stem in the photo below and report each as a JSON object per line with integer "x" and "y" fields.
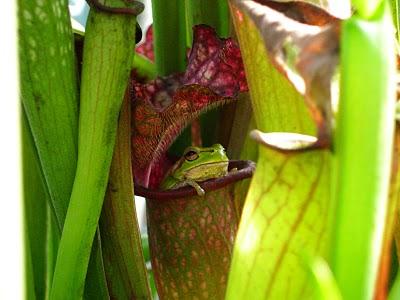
{"x": 364, "y": 144}
{"x": 108, "y": 47}
{"x": 96, "y": 284}
{"x": 214, "y": 13}
{"x": 211, "y": 12}
{"x": 169, "y": 36}
{"x": 144, "y": 67}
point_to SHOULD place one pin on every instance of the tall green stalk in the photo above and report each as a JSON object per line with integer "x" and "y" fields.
{"x": 144, "y": 67}
{"x": 107, "y": 52}
{"x": 214, "y": 13}
{"x": 169, "y": 36}
{"x": 211, "y": 12}
{"x": 363, "y": 149}
{"x": 121, "y": 242}
{"x": 170, "y": 47}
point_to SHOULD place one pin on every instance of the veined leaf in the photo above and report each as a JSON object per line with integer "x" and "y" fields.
{"x": 288, "y": 210}
{"x": 191, "y": 236}
{"x": 49, "y": 94}
{"x": 164, "y": 106}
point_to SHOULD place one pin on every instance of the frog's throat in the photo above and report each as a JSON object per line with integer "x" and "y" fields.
{"x": 207, "y": 171}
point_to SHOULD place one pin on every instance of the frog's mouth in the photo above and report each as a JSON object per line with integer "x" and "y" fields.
{"x": 208, "y": 170}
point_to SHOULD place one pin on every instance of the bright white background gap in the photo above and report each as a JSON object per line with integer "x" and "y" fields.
{"x": 11, "y": 245}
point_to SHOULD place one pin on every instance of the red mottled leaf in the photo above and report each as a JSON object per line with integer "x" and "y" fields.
{"x": 154, "y": 129}
{"x": 164, "y": 106}
{"x": 158, "y": 92}
{"x": 215, "y": 63}
{"x": 212, "y": 61}
{"x": 146, "y": 48}
{"x": 159, "y": 169}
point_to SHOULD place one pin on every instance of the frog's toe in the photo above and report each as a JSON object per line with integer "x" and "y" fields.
{"x": 196, "y": 186}
{"x": 200, "y": 192}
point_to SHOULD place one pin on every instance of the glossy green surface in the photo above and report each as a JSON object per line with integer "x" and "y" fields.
{"x": 363, "y": 144}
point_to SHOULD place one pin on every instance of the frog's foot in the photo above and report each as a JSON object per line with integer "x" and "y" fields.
{"x": 135, "y": 10}
{"x": 233, "y": 171}
{"x": 196, "y": 186}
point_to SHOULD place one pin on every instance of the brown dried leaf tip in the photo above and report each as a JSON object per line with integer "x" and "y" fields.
{"x": 302, "y": 41}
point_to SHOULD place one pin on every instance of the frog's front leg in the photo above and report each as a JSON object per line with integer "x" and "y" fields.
{"x": 233, "y": 171}
{"x": 196, "y": 186}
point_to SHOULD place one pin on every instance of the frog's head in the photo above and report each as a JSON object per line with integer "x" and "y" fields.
{"x": 198, "y": 164}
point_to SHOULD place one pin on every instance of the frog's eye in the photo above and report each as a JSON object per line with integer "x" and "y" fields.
{"x": 191, "y": 155}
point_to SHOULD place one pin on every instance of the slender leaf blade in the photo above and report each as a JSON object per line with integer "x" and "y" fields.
{"x": 363, "y": 141}
{"x": 107, "y": 59}
{"x": 36, "y": 199}
{"x": 122, "y": 247}
{"x": 49, "y": 93}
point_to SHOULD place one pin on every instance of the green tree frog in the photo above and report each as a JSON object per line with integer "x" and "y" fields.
{"x": 197, "y": 165}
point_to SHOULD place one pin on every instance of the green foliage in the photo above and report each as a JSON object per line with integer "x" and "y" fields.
{"x": 49, "y": 94}
{"x": 281, "y": 222}
{"x": 107, "y": 52}
{"x": 214, "y": 13}
{"x": 122, "y": 248}
{"x": 313, "y": 223}
{"x": 363, "y": 164}
{"x": 395, "y": 291}
{"x": 169, "y": 36}
{"x": 36, "y": 199}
